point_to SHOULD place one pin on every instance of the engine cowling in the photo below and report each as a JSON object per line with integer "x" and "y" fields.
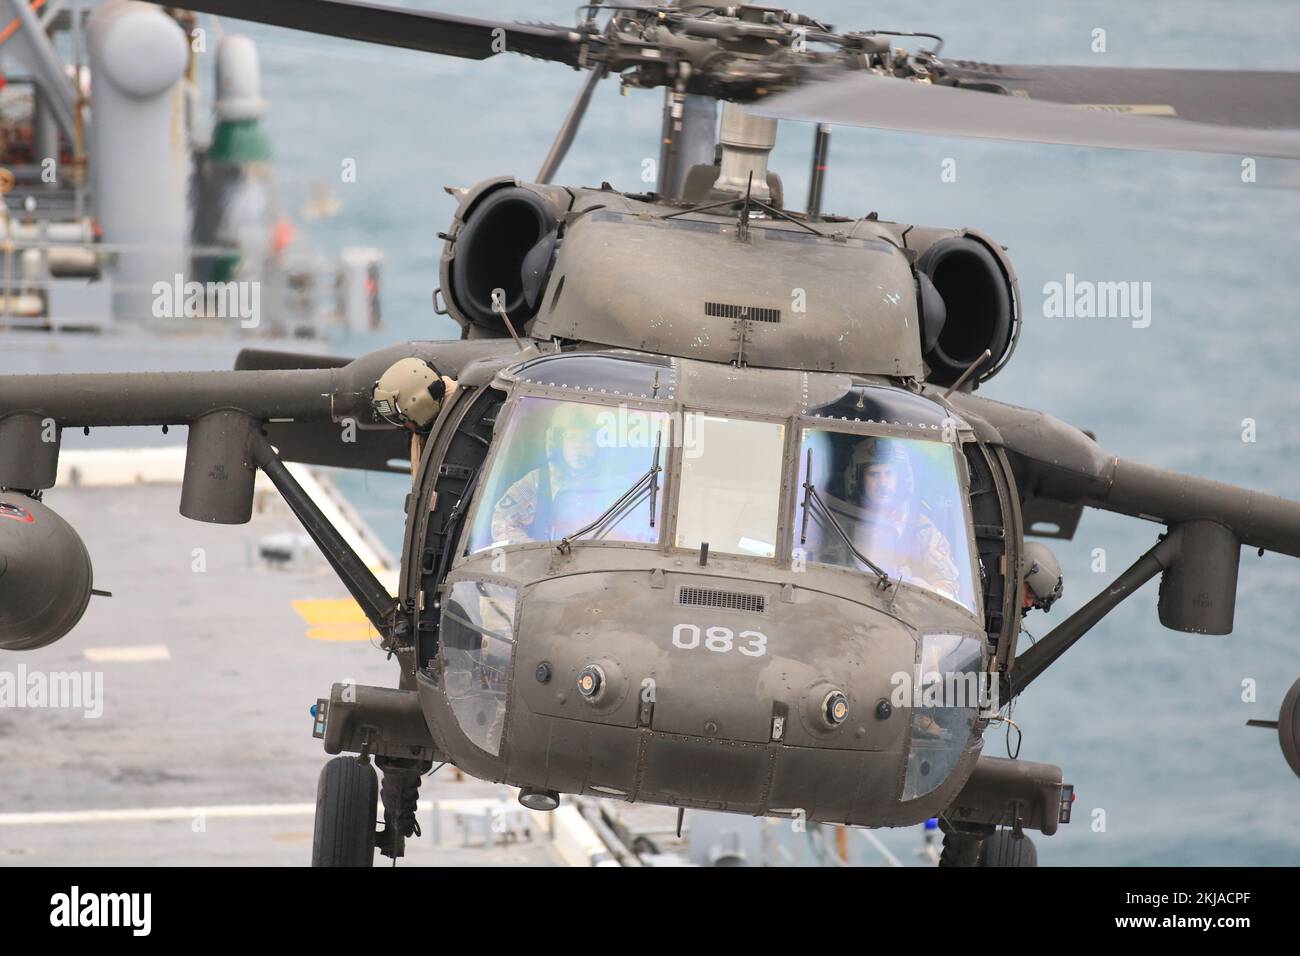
{"x": 45, "y": 574}
{"x": 504, "y": 238}
{"x": 978, "y": 292}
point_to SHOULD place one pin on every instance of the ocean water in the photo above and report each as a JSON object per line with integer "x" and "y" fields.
{"x": 1149, "y": 724}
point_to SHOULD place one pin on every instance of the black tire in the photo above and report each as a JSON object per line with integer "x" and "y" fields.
{"x": 1003, "y": 848}
{"x": 347, "y": 803}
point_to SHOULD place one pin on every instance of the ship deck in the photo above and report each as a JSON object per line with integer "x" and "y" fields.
{"x": 210, "y": 659}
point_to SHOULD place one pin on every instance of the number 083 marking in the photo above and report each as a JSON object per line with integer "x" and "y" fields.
{"x": 720, "y": 640}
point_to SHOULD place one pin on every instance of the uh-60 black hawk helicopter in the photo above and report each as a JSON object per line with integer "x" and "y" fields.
{"x": 703, "y": 474}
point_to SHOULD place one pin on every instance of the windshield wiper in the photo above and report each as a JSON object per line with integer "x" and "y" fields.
{"x": 649, "y": 479}
{"x": 811, "y": 497}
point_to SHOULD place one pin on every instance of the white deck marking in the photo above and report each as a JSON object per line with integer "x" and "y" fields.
{"x": 128, "y": 654}
{"x": 151, "y": 814}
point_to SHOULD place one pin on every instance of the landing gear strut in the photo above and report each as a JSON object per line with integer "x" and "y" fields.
{"x": 962, "y": 843}
{"x": 400, "y": 791}
{"x": 984, "y": 845}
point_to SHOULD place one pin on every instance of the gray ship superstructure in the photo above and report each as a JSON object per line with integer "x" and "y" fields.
{"x": 136, "y": 232}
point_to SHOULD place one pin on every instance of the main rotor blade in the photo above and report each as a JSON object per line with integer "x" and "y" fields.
{"x": 867, "y": 99}
{"x": 393, "y": 26}
{"x": 1252, "y": 98}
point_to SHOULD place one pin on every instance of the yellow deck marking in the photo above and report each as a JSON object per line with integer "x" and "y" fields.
{"x": 334, "y": 619}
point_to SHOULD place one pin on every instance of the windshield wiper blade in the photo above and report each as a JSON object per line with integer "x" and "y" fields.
{"x": 654, "y": 477}
{"x": 649, "y": 478}
{"x": 811, "y": 497}
{"x": 829, "y": 516}
{"x": 622, "y": 500}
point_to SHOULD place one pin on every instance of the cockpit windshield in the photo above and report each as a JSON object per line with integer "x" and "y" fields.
{"x": 561, "y": 466}
{"x": 898, "y": 500}
{"x": 731, "y": 485}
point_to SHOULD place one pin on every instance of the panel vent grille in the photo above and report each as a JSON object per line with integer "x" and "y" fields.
{"x": 731, "y": 600}
{"x": 729, "y": 310}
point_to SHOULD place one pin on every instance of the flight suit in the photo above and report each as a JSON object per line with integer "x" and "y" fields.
{"x": 545, "y": 506}
{"x": 907, "y": 546}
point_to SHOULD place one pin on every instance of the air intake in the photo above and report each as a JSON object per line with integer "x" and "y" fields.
{"x": 731, "y": 600}
{"x": 728, "y": 310}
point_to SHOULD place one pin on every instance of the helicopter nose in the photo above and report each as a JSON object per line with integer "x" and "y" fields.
{"x": 683, "y": 687}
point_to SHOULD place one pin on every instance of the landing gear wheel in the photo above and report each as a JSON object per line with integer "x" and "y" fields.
{"x": 347, "y": 803}
{"x": 1004, "y": 848}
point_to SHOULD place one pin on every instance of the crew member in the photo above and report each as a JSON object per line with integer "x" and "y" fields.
{"x": 1042, "y": 581}
{"x": 578, "y": 482}
{"x": 891, "y": 530}
{"x": 411, "y": 393}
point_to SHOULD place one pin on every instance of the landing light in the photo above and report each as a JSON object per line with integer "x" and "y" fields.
{"x": 591, "y": 680}
{"x": 835, "y": 708}
{"x": 543, "y": 800}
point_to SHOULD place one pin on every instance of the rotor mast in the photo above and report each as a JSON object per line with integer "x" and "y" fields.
{"x": 747, "y": 142}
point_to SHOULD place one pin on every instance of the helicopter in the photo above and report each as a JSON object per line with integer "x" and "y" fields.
{"x": 644, "y": 554}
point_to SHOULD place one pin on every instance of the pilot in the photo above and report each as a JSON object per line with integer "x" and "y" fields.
{"x": 1043, "y": 582}
{"x": 891, "y": 530}
{"x": 568, "y": 492}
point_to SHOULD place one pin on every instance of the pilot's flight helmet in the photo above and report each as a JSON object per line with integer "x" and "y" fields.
{"x": 1043, "y": 574}
{"x": 575, "y": 417}
{"x": 411, "y": 392}
{"x": 877, "y": 451}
